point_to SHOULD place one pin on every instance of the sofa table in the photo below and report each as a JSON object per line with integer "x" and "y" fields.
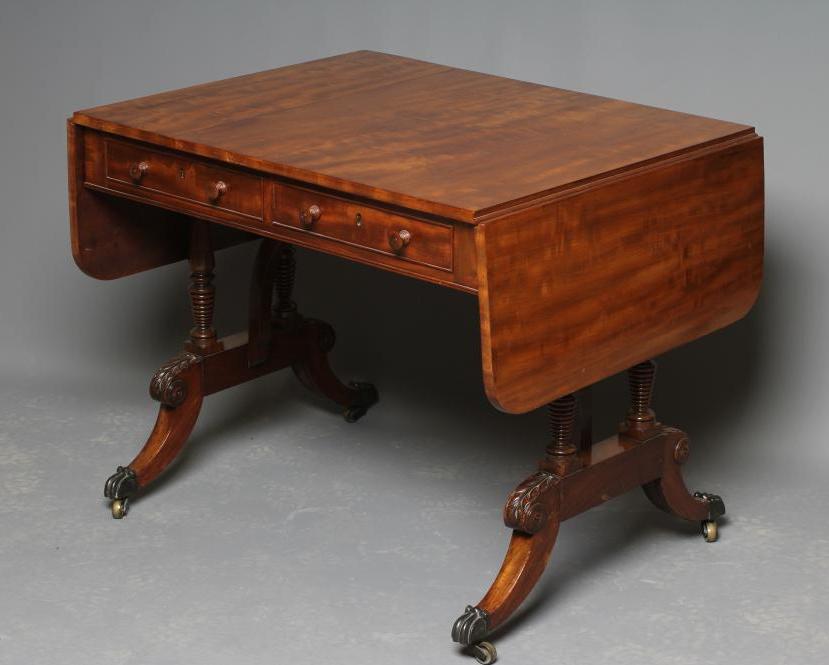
{"x": 595, "y": 234}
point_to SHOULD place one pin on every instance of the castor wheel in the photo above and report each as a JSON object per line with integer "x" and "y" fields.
{"x": 365, "y": 396}
{"x": 120, "y": 507}
{"x": 353, "y": 413}
{"x": 709, "y": 531}
{"x": 484, "y": 652}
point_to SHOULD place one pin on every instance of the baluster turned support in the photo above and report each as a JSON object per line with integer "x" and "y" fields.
{"x": 202, "y": 291}
{"x": 285, "y": 273}
{"x": 641, "y": 379}
{"x": 584, "y": 401}
{"x": 568, "y": 483}
{"x": 561, "y": 453}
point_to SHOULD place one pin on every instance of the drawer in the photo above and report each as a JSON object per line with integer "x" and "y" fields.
{"x": 414, "y": 240}
{"x": 158, "y": 172}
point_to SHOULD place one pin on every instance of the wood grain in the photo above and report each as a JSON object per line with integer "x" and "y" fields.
{"x": 610, "y": 468}
{"x": 172, "y": 429}
{"x": 597, "y": 233}
{"x": 588, "y": 285}
{"x": 113, "y": 237}
{"x": 179, "y": 176}
{"x": 435, "y": 139}
{"x": 364, "y": 226}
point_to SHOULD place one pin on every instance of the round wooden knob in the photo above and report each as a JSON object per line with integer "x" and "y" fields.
{"x": 138, "y": 170}
{"x": 218, "y": 190}
{"x": 310, "y": 215}
{"x": 399, "y": 239}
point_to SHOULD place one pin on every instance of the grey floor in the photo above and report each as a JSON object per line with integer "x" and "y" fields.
{"x": 285, "y": 535}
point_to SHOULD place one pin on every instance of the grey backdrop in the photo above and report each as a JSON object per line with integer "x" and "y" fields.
{"x": 288, "y": 536}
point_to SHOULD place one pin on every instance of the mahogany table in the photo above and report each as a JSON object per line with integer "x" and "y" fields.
{"x": 595, "y": 234}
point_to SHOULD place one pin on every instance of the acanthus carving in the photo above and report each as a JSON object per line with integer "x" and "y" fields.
{"x": 527, "y": 508}
{"x": 167, "y": 386}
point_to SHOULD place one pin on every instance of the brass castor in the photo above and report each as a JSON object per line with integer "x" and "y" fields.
{"x": 365, "y": 398}
{"x": 484, "y": 652}
{"x": 709, "y": 531}
{"x": 353, "y": 413}
{"x": 120, "y": 507}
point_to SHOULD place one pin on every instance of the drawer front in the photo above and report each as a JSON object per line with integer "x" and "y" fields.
{"x": 155, "y": 172}
{"x": 412, "y": 240}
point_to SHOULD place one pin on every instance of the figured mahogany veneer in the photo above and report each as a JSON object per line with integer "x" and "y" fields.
{"x": 596, "y": 233}
{"x": 620, "y": 272}
{"x": 183, "y": 183}
{"x": 359, "y": 225}
{"x": 431, "y": 138}
{"x": 141, "y": 171}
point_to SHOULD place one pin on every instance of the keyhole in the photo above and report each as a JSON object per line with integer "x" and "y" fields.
{"x": 181, "y": 173}
{"x": 358, "y": 219}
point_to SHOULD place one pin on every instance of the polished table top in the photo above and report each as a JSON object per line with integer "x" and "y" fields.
{"x": 432, "y": 138}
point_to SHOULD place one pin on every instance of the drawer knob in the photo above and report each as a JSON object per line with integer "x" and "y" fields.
{"x": 310, "y": 215}
{"x": 138, "y": 170}
{"x": 399, "y": 239}
{"x": 219, "y": 189}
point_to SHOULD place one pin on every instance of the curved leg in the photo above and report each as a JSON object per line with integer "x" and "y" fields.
{"x": 525, "y": 561}
{"x": 316, "y": 374}
{"x": 178, "y": 386}
{"x": 276, "y": 267}
{"x": 670, "y": 493}
{"x": 533, "y": 511}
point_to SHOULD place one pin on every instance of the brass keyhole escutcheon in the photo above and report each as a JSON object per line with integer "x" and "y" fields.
{"x": 358, "y": 219}
{"x": 181, "y": 173}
